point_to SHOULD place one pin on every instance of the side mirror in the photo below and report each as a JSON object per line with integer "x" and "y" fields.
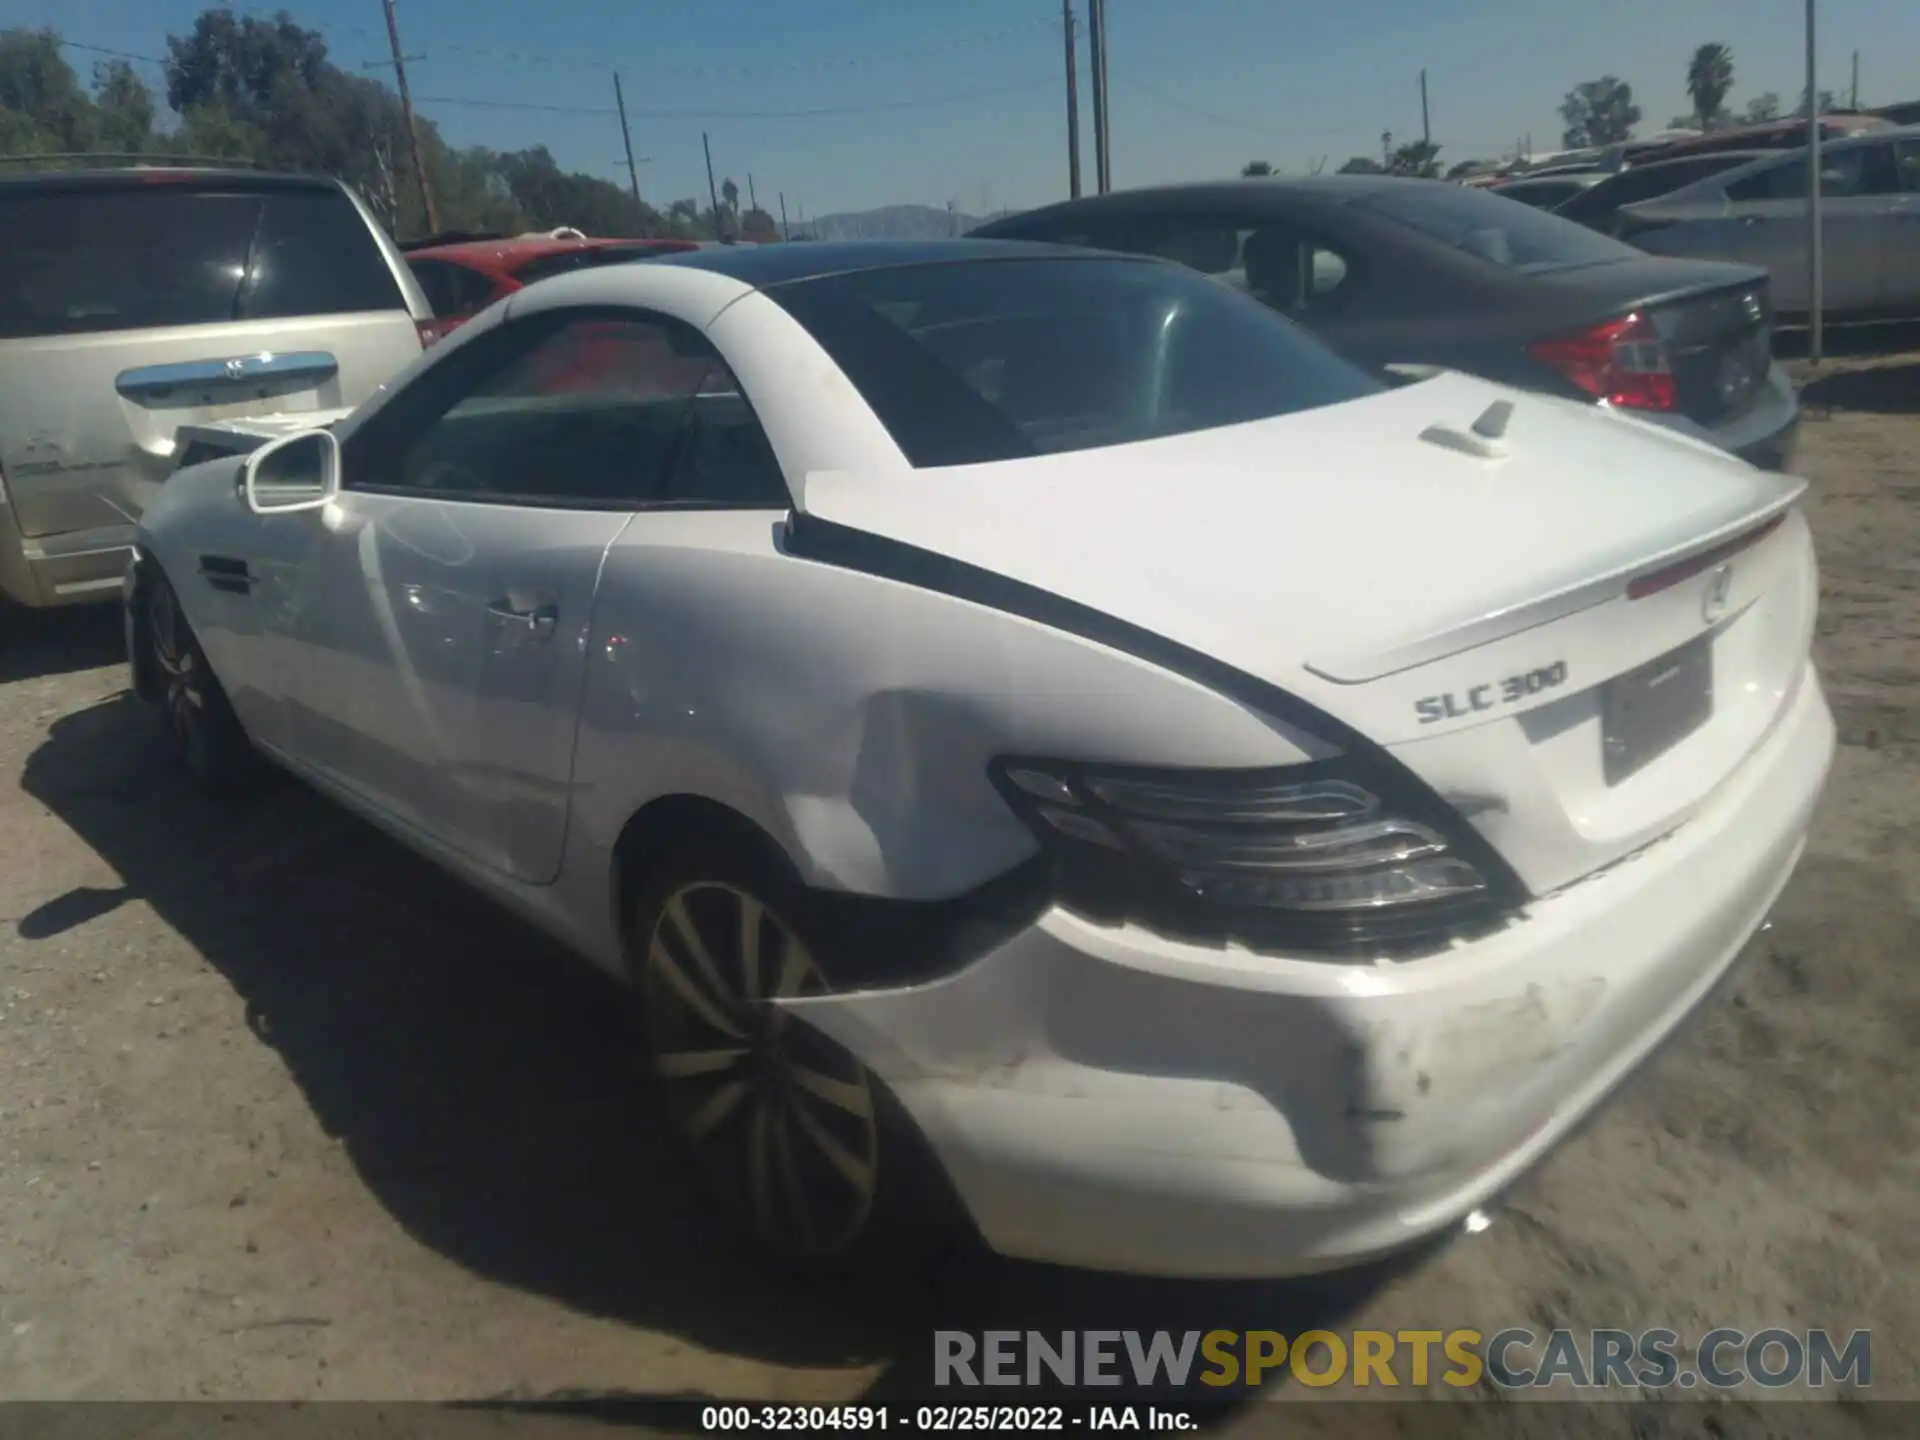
{"x": 293, "y": 473}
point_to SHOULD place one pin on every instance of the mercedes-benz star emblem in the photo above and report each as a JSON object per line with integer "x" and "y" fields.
{"x": 1719, "y": 587}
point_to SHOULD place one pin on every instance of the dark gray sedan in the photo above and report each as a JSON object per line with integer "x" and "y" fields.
{"x": 1396, "y": 271}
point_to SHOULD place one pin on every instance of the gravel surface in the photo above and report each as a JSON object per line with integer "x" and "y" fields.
{"x": 286, "y": 1114}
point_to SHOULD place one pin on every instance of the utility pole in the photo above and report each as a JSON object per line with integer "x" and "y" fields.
{"x": 1814, "y": 266}
{"x": 1106, "y": 103}
{"x": 1096, "y": 68}
{"x": 753, "y": 201}
{"x": 713, "y": 194}
{"x": 1073, "y": 102}
{"x": 626, "y": 137}
{"x": 785, "y": 232}
{"x": 1386, "y": 148}
{"x": 413, "y": 127}
{"x": 1426, "y": 126}
{"x": 1855, "y": 105}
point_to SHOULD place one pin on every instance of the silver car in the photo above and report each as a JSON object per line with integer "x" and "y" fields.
{"x": 1870, "y": 223}
{"x": 137, "y": 301}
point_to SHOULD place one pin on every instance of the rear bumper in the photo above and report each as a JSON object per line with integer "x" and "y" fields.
{"x": 1104, "y": 1097}
{"x": 1764, "y": 434}
{"x": 75, "y": 568}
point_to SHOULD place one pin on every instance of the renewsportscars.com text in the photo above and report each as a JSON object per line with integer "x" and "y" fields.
{"x": 1511, "y": 1359}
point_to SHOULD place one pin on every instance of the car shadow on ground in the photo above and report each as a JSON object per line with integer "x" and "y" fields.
{"x": 484, "y": 1083}
{"x": 1880, "y": 390}
{"x": 35, "y": 643}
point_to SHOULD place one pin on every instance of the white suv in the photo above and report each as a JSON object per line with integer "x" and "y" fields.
{"x": 135, "y": 301}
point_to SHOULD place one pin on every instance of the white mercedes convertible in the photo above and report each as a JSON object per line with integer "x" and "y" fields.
{"x": 1033, "y": 727}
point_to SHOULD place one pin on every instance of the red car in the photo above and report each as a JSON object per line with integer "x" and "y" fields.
{"x": 463, "y": 274}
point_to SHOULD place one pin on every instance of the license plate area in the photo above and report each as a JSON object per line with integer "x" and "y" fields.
{"x": 1646, "y": 712}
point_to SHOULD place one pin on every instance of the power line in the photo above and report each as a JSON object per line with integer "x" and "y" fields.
{"x": 116, "y": 54}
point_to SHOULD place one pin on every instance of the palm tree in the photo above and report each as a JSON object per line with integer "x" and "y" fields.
{"x": 1255, "y": 168}
{"x": 1709, "y": 82}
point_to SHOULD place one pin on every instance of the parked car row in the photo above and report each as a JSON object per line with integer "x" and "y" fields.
{"x": 1391, "y": 270}
{"x": 915, "y": 671}
{"x": 1757, "y": 213}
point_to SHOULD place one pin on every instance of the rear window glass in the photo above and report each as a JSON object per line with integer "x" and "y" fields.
{"x": 76, "y": 262}
{"x": 1499, "y": 231}
{"x": 79, "y": 261}
{"x": 315, "y": 255}
{"x": 972, "y": 362}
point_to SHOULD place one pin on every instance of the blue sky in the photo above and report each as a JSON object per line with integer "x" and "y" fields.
{"x": 960, "y": 101}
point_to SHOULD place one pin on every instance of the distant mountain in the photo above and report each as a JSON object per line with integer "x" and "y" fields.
{"x": 892, "y": 222}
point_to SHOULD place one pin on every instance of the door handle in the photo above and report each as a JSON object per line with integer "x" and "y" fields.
{"x": 539, "y": 620}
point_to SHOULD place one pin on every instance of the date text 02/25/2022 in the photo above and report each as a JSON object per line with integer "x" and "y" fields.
{"x": 939, "y": 1419}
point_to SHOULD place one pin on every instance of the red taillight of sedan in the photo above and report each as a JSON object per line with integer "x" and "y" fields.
{"x": 1623, "y": 362}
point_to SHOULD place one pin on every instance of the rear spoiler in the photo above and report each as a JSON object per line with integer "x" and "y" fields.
{"x": 1640, "y": 577}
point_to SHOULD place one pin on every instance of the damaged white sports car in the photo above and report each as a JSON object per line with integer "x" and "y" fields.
{"x": 1035, "y": 720}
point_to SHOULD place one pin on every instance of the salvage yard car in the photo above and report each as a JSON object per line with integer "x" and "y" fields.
{"x": 1757, "y": 215}
{"x": 135, "y": 301}
{"x": 1033, "y": 727}
{"x": 1392, "y": 271}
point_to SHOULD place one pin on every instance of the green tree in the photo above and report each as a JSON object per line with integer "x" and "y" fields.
{"x": 1828, "y": 104}
{"x": 264, "y": 90}
{"x": 1417, "y": 157}
{"x": 1709, "y": 82}
{"x": 758, "y": 225}
{"x": 1362, "y": 165}
{"x": 1761, "y": 109}
{"x": 1598, "y": 112}
{"x": 123, "y": 108}
{"x": 43, "y": 108}
{"x": 1254, "y": 168}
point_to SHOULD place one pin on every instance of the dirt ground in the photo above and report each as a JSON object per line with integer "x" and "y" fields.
{"x": 285, "y": 1114}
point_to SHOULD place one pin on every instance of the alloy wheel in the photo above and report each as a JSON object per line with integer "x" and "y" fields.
{"x": 184, "y": 695}
{"x": 784, "y": 1120}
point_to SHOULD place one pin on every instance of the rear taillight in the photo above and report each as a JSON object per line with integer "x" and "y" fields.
{"x": 1307, "y": 860}
{"x": 1623, "y": 362}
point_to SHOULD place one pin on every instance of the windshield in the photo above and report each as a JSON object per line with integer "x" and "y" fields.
{"x": 997, "y": 359}
{"x": 1499, "y": 231}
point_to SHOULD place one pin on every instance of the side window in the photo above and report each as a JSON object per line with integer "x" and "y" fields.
{"x": 1906, "y": 163}
{"x": 1858, "y": 170}
{"x": 436, "y": 279}
{"x": 314, "y": 255}
{"x": 727, "y": 459}
{"x": 1293, "y": 273}
{"x": 567, "y": 408}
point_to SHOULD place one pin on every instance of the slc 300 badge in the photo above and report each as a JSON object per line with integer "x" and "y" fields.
{"x": 1492, "y": 695}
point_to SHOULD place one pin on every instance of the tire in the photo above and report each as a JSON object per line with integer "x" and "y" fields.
{"x": 796, "y": 1138}
{"x": 206, "y": 734}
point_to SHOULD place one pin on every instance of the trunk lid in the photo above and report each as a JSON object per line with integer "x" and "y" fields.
{"x": 1400, "y": 583}
{"x": 1716, "y": 320}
